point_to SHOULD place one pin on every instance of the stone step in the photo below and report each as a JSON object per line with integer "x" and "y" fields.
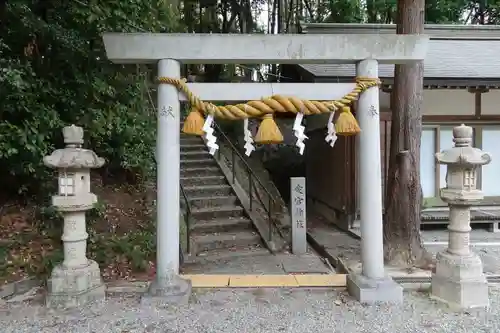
{"x": 190, "y": 139}
{"x": 204, "y": 180}
{"x": 213, "y": 201}
{"x": 213, "y": 241}
{"x": 218, "y": 255}
{"x": 208, "y": 213}
{"x": 221, "y": 225}
{"x": 193, "y": 147}
{"x": 208, "y": 190}
{"x": 198, "y": 171}
{"x": 205, "y": 162}
{"x": 195, "y": 155}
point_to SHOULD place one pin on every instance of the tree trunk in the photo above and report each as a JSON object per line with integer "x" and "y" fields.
{"x": 402, "y": 242}
{"x": 372, "y": 12}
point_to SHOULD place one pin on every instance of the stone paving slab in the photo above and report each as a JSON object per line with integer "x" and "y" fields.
{"x": 477, "y": 235}
{"x": 241, "y": 281}
{"x": 346, "y": 249}
{"x": 247, "y": 281}
{"x": 18, "y": 287}
{"x": 264, "y": 264}
{"x": 208, "y": 281}
{"x": 238, "y": 265}
{"x": 134, "y": 287}
{"x": 306, "y": 263}
{"x": 340, "y": 248}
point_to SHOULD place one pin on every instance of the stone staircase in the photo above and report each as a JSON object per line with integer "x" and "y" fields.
{"x": 218, "y": 220}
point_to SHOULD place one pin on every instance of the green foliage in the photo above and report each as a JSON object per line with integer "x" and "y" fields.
{"x": 134, "y": 250}
{"x": 137, "y": 248}
{"x": 343, "y": 11}
{"x": 384, "y": 11}
{"x": 445, "y": 11}
{"x": 54, "y": 72}
{"x": 436, "y": 11}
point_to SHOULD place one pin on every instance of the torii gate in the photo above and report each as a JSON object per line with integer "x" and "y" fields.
{"x": 367, "y": 51}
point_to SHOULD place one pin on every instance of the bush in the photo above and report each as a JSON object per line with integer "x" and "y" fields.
{"x": 54, "y": 72}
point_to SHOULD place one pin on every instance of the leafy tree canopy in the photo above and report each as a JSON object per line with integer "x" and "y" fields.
{"x": 54, "y": 72}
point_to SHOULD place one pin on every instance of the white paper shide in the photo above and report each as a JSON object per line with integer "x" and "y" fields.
{"x": 331, "y": 135}
{"x": 249, "y": 146}
{"x": 298, "y": 130}
{"x": 209, "y": 136}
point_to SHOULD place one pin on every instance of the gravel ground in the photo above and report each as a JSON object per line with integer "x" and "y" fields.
{"x": 245, "y": 311}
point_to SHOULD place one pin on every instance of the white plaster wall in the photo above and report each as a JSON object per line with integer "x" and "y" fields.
{"x": 458, "y": 102}
{"x": 490, "y": 103}
{"x": 442, "y": 102}
{"x": 385, "y": 100}
{"x": 428, "y": 163}
{"x": 491, "y": 171}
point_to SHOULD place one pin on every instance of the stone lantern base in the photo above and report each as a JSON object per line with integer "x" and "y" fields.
{"x": 460, "y": 281}
{"x": 73, "y": 287}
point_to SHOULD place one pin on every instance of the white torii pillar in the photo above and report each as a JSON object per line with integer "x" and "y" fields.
{"x": 167, "y": 285}
{"x": 371, "y": 285}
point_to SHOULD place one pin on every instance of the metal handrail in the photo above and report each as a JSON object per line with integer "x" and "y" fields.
{"x": 251, "y": 176}
{"x": 187, "y": 219}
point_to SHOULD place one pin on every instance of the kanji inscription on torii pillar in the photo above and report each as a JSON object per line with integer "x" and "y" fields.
{"x": 298, "y": 206}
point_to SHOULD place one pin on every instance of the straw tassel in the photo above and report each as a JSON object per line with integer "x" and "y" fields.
{"x": 346, "y": 124}
{"x": 268, "y": 131}
{"x": 193, "y": 124}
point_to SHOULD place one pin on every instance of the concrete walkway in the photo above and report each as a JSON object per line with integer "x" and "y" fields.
{"x": 344, "y": 249}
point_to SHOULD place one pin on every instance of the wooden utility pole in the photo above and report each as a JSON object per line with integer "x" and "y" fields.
{"x": 402, "y": 243}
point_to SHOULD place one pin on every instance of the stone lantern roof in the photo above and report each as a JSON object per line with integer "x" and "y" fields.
{"x": 463, "y": 153}
{"x": 73, "y": 156}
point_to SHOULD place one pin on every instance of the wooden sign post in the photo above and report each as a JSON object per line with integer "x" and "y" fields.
{"x": 298, "y": 203}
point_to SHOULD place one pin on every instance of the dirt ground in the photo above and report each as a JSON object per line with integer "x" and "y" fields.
{"x": 30, "y": 235}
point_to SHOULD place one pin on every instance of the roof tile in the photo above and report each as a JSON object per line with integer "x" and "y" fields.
{"x": 461, "y": 58}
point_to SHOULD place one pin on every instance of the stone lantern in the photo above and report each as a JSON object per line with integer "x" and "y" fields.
{"x": 77, "y": 280}
{"x": 459, "y": 279}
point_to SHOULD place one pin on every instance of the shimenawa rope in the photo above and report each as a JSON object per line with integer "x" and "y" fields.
{"x": 268, "y": 131}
